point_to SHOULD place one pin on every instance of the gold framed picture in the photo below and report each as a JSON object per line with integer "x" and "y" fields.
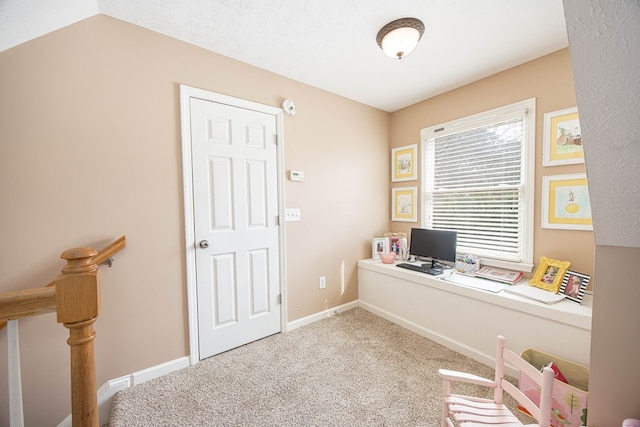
{"x": 549, "y": 274}
{"x": 403, "y": 163}
{"x": 404, "y": 204}
{"x": 562, "y": 138}
{"x": 565, "y": 202}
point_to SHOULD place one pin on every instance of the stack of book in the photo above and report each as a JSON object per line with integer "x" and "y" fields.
{"x": 499, "y": 275}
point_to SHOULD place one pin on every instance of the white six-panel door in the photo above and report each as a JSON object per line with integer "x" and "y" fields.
{"x": 236, "y": 230}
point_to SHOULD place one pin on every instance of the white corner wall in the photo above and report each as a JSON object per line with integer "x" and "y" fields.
{"x": 604, "y": 40}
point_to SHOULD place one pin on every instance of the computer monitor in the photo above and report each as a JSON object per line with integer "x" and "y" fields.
{"x": 437, "y": 245}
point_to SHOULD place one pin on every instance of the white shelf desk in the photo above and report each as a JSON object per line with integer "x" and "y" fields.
{"x": 468, "y": 320}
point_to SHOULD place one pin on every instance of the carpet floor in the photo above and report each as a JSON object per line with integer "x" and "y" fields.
{"x": 351, "y": 369}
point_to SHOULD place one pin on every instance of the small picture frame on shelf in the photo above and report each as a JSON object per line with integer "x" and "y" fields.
{"x": 549, "y": 274}
{"x": 378, "y": 244}
{"x": 397, "y": 243}
{"x": 574, "y": 285}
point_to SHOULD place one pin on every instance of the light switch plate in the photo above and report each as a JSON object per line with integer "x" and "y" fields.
{"x": 292, "y": 214}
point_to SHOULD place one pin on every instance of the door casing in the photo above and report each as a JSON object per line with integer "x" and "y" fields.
{"x": 187, "y": 92}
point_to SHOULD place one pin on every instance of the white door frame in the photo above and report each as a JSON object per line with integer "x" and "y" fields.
{"x": 187, "y": 92}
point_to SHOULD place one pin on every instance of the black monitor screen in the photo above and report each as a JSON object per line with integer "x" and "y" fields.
{"x": 438, "y": 245}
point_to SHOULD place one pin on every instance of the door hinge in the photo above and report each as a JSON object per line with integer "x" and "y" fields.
{"x": 279, "y": 299}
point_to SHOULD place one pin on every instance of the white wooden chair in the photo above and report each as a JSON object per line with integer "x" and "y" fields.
{"x": 468, "y": 411}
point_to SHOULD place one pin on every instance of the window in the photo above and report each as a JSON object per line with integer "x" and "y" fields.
{"x": 478, "y": 180}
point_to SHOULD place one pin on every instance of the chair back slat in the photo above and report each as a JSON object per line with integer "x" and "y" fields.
{"x": 459, "y": 408}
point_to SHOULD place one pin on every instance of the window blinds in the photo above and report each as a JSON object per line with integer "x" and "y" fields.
{"x": 474, "y": 181}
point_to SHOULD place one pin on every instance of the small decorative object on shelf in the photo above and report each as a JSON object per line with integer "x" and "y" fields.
{"x": 397, "y": 242}
{"x": 499, "y": 275}
{"x": 388, "y": 258}
{"x": 467, "y": 264}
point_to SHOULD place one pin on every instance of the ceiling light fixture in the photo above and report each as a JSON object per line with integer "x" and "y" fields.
{"x": 400, "y": 37}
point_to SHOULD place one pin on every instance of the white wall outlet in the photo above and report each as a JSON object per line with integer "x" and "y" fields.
{"x": 292, "y": 215}
{"x": 296, "y": 175}
{"x": 323, "y": 282}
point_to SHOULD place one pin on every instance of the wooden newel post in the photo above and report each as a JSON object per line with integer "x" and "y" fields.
{"x": 78, "y": 301}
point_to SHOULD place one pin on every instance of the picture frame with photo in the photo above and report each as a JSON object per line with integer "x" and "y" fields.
{"x": 379, "y": 244}
{"x": 574, "y": 285}
{"x": 549, "y": 274}
{"x": 404, "y": 163}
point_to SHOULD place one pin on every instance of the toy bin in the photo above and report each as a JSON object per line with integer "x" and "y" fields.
{"x": 569, "y": 405}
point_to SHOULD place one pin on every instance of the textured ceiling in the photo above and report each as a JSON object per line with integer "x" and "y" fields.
{"x": 330, "y": 44}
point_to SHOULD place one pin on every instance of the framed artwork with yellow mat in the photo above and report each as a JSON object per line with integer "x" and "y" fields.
{"x": 565, "y": 202}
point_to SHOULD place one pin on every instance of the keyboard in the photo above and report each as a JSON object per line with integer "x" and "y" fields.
{"x": 420, "y": 268}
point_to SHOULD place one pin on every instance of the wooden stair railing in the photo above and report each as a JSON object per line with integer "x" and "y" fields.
{"x": 75, "y": 296}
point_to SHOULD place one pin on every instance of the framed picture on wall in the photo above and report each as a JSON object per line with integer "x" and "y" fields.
{"x": 562, "y": 138}
{"x": 404, "y": 163}
{"x": 565, "y": 202}
{"x": 404, "y": 204}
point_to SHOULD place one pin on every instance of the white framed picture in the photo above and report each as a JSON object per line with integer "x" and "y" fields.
{"x": 565, "y": 202}
{"x": 562, "y": 138}
{"x": 379, "y": 244}
{"x": 404, "y": 163}
{"x": 404, "y": 204}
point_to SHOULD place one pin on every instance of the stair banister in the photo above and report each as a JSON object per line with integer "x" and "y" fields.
{"x": 75, "y": 296}
{"x": 77, "y": 301}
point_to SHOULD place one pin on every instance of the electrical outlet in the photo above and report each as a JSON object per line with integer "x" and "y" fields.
{"x": 323, "y": 282}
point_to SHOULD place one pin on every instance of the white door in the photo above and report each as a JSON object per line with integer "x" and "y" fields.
{"x": 236, "y": 235}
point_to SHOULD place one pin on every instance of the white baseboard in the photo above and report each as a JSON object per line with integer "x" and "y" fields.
{"x": 111, "y": 387}
{"x": 159, "y": 370}
{"x": 321, "y": 315}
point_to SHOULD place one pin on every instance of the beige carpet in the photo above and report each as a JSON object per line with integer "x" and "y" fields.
{"x": 352, "y": 369}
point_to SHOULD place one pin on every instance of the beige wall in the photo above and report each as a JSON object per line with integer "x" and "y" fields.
{"x": 548, "y": 79}
{"x": 615, "y": 342}
{"x": 90, "y": 150}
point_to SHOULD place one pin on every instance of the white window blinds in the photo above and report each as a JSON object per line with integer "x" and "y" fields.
{"x": 475, "y": 182}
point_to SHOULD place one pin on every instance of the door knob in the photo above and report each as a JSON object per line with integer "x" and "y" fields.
{"x": 204, "y": 244}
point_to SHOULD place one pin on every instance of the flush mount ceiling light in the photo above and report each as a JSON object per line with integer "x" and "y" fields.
{"x": 400, "y": 37}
